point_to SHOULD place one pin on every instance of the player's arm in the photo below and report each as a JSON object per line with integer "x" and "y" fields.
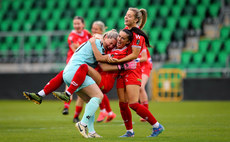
{"x": 144, "y": 56}
{"x": 130, "y": 57}
{"x": 99, "y": 57}
{"x": 126, "y": 66}
{"x": 108, "y": 67}
{"x": 98, "y": 36}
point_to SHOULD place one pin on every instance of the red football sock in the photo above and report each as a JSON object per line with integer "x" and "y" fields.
{"x": 146, "y": 104}
{"x": 77, "y": 111}
{"x": 54, "y": 83}
{"x": 102, "y": 104}
{"x": 78, "y": 79}
{"x": 143, "y": 112}
{"x": 126, "y": 115}
{"x": 107, "y": 104}
{"x": 67, "y": 104}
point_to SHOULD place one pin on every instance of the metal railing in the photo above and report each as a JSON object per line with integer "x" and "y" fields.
{"x": 224, "y": 71}
{"x": 20, "y": 61}
{"x": 23, "y": 35}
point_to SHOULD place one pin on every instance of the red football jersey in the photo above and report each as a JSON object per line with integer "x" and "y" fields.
{"x": 75, "y": 37}
{"x": 115, "y": 53}
{"x": 149, "y": 60}
{"x": 119, "y": 53}
{"x": 137, "y": 42}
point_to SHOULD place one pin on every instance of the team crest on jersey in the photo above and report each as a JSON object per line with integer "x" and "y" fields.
{"x": 138, "y": 42}
{"x": 70, "y": 38}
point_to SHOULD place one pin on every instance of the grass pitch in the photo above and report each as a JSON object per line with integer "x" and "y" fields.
{"x": 190, "y": 121}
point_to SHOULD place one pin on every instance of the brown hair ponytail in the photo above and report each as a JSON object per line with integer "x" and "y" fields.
{"x": 141, "y": 15}
{"x": 144, "y": 18}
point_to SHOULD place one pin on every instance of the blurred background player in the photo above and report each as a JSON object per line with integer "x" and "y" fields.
{"x": 77, "y": 36}
{"x": 98, "y": 28}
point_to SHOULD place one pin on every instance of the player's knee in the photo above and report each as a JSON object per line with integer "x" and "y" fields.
{"x": 142, "y": 89}
{"x": 134, "y": 106}
{"x": 100, "y": 96}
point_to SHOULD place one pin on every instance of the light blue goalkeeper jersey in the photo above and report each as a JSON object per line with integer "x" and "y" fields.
{"x": 83, "y": 55}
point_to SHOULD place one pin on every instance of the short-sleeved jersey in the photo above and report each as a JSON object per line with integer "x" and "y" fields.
{"x": 84, "y": 55}
{"x": 149, "y": 59}
{"x": 147, "y": 63}
{"x": 136, "y": 38}
{"x": 137, "y": 42}
{"x": 115, "y": 53}
{"x": 119, "y": 53}
{"x": 144, "y": 50}
{"x": 75, "y": 37}
{"x": 146, "y": 66}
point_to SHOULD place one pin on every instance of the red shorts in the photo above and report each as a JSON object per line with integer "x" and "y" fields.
{"x": 129, "y": 77}
{"x": 107, "y": 82}
{"x": 146, "y": 68}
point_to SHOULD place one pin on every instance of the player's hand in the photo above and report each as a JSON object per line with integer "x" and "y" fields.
{"x": 113, "y": 60}
{"x": 92, "y": 39}
{"x": 74, "y": 45}
{"x": 97, "y": 36}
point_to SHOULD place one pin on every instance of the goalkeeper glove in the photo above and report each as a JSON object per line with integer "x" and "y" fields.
{"x": 127, "y": 66}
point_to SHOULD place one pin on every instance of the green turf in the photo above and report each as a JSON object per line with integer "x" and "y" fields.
{"x": 188, "y": 121}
